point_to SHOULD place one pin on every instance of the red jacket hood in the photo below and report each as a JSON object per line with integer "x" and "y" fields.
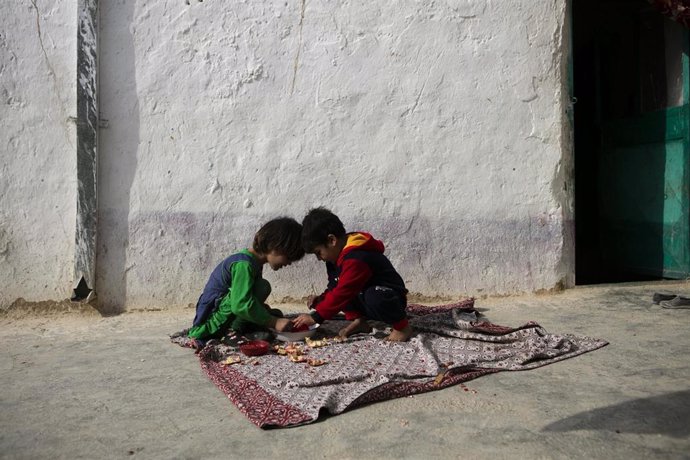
{"x": 361, "y": 241}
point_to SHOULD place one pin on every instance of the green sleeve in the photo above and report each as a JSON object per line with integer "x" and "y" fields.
{"x": 242, "y": 298}
{"x": 240, "y": 301}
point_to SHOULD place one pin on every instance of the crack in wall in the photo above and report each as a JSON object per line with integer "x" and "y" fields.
{"x": 421, "y": 91}
{"x": 299, "y": 48}
{"x": 53, "y": 75}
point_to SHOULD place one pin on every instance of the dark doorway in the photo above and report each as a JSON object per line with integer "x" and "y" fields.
{"x": 630, "y": 84}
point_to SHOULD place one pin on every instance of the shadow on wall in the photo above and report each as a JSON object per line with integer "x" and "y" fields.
{"x": 118, "y": 148}
{"x": 667, "y": 414}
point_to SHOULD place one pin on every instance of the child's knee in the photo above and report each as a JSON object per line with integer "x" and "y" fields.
{"x": 262, "y": 289}
{"x": 382, "y": 297}
{"x": 384, "y": 304}
{"x": 276, "y": 312}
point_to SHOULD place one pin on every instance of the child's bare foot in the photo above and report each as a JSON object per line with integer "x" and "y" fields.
{"x": 355, "y": 327}
{"x": 401, "y": 335}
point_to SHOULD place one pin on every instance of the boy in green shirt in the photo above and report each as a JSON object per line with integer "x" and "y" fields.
{"x": 235, "y": 293}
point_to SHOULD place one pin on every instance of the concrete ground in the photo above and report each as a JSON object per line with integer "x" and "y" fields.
{"x": 78, "y": 385}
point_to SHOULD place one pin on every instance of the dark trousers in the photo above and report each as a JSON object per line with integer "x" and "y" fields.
{"x": 262, "y": 289}
{"x": 379, "y": 303}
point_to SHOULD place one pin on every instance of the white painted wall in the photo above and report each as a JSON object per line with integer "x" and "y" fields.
{"x": 437, "y": 126}
{"x": 37, "y": 141}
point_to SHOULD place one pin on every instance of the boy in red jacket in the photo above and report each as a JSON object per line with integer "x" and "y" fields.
{"x": 362, "y": 282}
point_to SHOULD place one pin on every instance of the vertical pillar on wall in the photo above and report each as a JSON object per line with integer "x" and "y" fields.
{"x": 87, "y": 148}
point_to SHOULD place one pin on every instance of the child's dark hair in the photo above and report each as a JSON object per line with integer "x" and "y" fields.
{"x": 282, "y": 235}
{"x": 317, "y": 225}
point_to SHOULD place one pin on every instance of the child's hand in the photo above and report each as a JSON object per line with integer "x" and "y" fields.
{"x": 302, "y": 321}
{"x": 313, "y": 300}
{"x": 282, "y": 324}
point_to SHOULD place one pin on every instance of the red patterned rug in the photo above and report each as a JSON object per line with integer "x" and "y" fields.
{"x": 450, "y": 346}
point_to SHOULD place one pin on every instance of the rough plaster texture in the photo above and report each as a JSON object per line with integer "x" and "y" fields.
{"x": 37, "y": 138}
{"x": 438, "y": 126}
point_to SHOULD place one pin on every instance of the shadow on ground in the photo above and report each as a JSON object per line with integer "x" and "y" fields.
{"x": 665, "y": 414}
